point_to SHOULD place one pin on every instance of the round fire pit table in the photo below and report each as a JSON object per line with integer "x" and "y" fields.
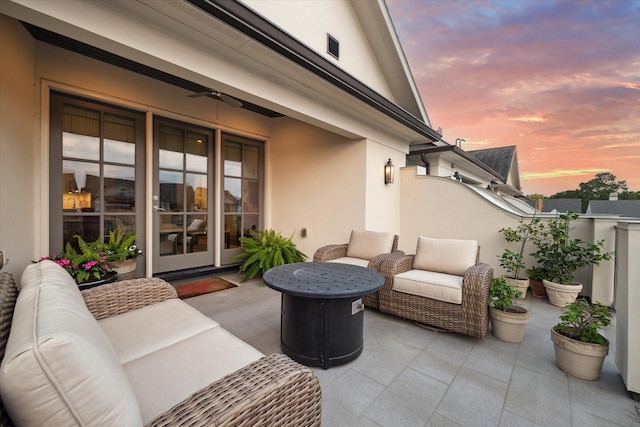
{"x": 322, "y": 311}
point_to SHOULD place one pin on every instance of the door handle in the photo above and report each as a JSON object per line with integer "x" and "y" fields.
{"x": 157, "y": 208}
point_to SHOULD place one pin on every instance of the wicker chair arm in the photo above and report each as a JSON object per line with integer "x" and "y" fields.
{"x": 329, "y": 252}
{"x": 376, "y": 261}
{"x": 273, "y": 391}
{"x": 396, "y": 263}
{"x": 477, "y": 280}
{"x": 126, "y": 295}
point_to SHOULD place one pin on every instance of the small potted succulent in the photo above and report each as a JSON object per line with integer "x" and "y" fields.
{"x": 508, "y": 319}
{"x": 579, "y": 347}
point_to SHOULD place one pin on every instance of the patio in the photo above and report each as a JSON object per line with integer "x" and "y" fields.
{"x": 411, "y": 376}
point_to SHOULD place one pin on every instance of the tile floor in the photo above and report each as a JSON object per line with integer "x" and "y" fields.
{"x": 410, "y": 376}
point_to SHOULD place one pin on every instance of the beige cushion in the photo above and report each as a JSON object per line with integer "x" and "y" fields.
{"x": 136, "y": 333}
{"x": 429, "y": 284}
{"x": 166, "y": 377}
{"x": 353, "y": 261}
{"x": 448, "y": 256}
{"x": 59, "y": 367}
{"x": 368, "y": 244}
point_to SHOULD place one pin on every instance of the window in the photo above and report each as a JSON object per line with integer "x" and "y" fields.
{"x": 333, "y": 46}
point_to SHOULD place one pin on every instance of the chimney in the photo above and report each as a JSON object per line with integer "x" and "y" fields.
{"x": 613, "y": 196}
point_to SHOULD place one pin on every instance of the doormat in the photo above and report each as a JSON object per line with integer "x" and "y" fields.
{"x": 201, "y": 287}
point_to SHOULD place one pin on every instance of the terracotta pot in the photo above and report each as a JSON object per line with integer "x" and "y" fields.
{"x": 520, "y": 284}
{"x": 579, "y": 359}
{"x": 126, "y": 269}
{"x": 560, "y": 295}
{"x": 537, "y": 288}
{"x": 507, "y": 326}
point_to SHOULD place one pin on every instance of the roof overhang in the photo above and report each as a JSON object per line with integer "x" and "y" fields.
{"x": 199, "y": 43}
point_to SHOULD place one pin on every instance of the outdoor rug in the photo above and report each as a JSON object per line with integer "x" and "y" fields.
{"x": 202, "y": 286}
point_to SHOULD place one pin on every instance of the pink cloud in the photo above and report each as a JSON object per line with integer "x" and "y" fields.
{"x": 561, "y": 80}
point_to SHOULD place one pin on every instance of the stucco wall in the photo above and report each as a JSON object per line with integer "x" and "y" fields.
{"x": 19, "y": 133}
{"x": 311, "y": 21}
{"x": 443, "y": 208}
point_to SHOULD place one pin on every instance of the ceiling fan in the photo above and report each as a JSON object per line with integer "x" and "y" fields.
{"x": 229, "y": 100}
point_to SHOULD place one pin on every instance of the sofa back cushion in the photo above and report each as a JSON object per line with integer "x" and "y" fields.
{"x": 367, "y": 244}
{"x": 450, "y": 256}
{"x": 59, "y": 366}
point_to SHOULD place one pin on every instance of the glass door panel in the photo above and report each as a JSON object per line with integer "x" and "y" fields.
{"x": 243, "y": 192}
{"x": 183, "y": 160}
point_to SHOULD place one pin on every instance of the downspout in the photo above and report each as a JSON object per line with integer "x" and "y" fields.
{"x": 426, "y": 163}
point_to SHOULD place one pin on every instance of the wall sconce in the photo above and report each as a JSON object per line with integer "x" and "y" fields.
{"x": 388, "y": 173}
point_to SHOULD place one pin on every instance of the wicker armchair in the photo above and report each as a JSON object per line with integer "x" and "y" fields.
{"x": 366, "y": 249}
{"x": 460, "y": 307}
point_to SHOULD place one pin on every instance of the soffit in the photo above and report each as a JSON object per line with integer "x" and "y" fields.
{"x": 221, "y": 57}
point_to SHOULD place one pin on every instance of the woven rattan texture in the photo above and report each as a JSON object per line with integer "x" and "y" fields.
{"x": 8, "y": 296}
{"x": 273, "y": 391}
{"x": 469, "y": 318}
{"x": 126, "y": 295}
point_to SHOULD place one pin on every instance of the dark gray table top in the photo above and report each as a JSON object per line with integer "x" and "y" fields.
{"x": 323, "y": 280}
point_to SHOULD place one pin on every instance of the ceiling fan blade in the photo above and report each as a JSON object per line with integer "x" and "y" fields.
{"x": 199, "y": 94}
{"x": 230, "y": 100}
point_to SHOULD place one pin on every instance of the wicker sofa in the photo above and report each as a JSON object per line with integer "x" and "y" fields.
{"x": 130, "y": 353}
{"x": 443, "y": 285}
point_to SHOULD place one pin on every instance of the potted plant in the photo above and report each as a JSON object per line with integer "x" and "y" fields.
{"x": 122, "y": 253}
{"x": 508, "y": 319}
{"x": 512, "y": 261}
{"x": 579, "y": 347}
{"x": 559, "y": 256}
{"x": 536, "y": 274}
{"x": 265, "y": 249}
{"x": 88, "y": 267}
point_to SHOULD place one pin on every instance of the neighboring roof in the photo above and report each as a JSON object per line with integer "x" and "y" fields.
{"x": 626, "y": 208}
{"x": 430, "y": 148}
{"x": 499, "y": 159}
{"x": 559, "y": 205}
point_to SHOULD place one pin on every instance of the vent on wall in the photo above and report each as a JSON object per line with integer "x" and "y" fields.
{"x": 333, "y": 46}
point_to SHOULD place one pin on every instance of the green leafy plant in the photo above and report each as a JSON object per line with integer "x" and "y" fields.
{"x": 512, "y": 261}
{"x": 266, "y": 249}
{"x": 120, "y": 246}
{"x": 88, "y": 264}
{"x": 501, "y": 294}
{"x": 559, "y": 256}
{"x": 582, "y": 321}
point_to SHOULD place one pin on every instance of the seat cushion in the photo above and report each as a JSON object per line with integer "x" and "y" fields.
{"x": 368, "y": 244}
{"x": 351, "y": 260}
{"x": 136, "y": 333}
{"x": 429, "y": 284}
{"x": 166, "y": 377}
{"x": 448, "y": 256}
{"x": 59, "y": 366}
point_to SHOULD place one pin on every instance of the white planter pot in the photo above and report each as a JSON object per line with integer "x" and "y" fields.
{"x": 126, "y": 269}
{"x": 579, "y": 359}
{"x": 520, "y": 284}
{"x": 508, "y": 326}
{"x": 560, "y": 295}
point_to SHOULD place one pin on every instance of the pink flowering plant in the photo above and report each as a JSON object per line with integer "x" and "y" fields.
{"x": 88, "y": 264}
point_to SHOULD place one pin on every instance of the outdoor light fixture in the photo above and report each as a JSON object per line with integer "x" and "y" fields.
{"x": 388, "y": 173}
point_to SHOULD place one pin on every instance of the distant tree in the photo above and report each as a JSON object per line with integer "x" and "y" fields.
{"x": 629, "y": 195}
{"x": 598, "y": 188}
{"x": 536, "y": 196}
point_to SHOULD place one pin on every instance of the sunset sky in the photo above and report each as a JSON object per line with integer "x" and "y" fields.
{"x": 558, "y": 79}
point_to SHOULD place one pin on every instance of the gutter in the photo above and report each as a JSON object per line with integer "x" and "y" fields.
{"x": 248, "y": 22}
